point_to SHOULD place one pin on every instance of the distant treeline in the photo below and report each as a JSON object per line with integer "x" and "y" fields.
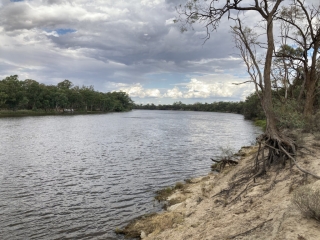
{"x": 250, "y": 108}
{"x": 32, "y": 95}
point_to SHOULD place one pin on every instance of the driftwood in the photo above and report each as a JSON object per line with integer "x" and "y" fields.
{"x": 223, "y": 162}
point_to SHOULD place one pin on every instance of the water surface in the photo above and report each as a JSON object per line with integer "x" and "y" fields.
{"x": 80, "y": 177}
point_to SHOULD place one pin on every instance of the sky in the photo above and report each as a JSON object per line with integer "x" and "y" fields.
{"x": 128, "y": 45}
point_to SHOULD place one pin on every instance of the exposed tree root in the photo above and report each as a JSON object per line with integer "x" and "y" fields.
{"x": 273, "y": 152}
{"x": 280, "y": 149}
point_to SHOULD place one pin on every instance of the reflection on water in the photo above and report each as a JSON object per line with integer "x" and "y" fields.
{"x": 80, "y": 177}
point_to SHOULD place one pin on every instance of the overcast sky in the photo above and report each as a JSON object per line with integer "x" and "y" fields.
{"x": 129, "y": 45}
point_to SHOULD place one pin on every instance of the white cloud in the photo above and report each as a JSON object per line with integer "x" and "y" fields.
{"x": 209, "y": 86}
{"x": 52, "y": 33}
{"x": 170, "y": 21}
{"x": 151, "y": 3}
{"x": 136, "y": 90}
{"x": 173, "y": 93}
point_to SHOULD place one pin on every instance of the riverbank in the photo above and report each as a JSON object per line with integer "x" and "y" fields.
{"x": 28, "y": 113}
{"x": 208, "y": 208}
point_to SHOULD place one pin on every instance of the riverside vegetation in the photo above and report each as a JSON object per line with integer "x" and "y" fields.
{"x": 30, "y": 97}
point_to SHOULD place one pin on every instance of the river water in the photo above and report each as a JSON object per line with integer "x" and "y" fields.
{"x": 80, "y": 177}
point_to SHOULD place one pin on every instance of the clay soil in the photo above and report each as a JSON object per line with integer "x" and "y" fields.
{"x": 206, "y": 208}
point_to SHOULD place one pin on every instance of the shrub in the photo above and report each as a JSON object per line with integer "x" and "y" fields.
{"x": 261, "y": 123}
{"x": 252, "y": 108}
{"x": 314, "y": 123}
{"x": 289, "y": 114}
{"x": 307, "y": 199}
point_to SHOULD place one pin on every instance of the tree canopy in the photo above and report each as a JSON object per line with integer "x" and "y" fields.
{"x": 32, "y": 95}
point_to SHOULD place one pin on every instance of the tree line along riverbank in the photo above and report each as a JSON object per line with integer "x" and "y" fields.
{"x": 30, "y": 97}
{"x": 250, "y": 108}
{"x": 289, "y": 110}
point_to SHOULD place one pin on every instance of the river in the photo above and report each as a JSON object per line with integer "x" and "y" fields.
{"x": 81, "y": 176}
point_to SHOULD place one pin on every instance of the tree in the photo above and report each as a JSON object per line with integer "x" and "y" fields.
{"x": 287, "y": 69}
{"x": 66, "y": 84}
{"x": 307, "y": 37}
{"x": 211, "y": 13}
{"x": 252, "y": 108}
{"x": 13, "y": 92}
{"x": 32, "y": 93}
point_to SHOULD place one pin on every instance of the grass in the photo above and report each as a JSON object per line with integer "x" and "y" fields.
{"x": 151, "y": 223}
{"x": 261, "y": 123}
{"x": 163, "y": 194}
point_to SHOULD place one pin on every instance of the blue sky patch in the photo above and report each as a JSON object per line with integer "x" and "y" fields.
{"x": 63, "y": 31}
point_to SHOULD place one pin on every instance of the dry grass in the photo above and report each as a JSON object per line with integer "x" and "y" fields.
{"x": 307, "y": 200}
{"x": 151, "y": 223}
{"x": 163, "y": 194}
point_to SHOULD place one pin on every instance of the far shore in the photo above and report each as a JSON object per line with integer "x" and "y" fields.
{"x": 27, "y": 113}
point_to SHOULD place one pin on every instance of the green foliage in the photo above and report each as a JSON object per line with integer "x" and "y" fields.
{"x": 307, "y": 200}
{"x": 31, "y": 95}
{"x": 261, "y": 123}
{"x": 230, "y": 107}
{"x": 252, "y": 108}
{"x": 289, "y": 114}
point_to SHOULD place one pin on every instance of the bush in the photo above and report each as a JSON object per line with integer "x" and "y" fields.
{"x": 307, "y": 199}
{"x": 261, "y": 123}
{"x": 289, "y": 114}
{"x": 252, "y": 108}
{"x": 314, "y": 123}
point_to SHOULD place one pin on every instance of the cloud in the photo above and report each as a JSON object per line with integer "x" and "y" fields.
{"x": 136, "y": 90}
{"x": 208, "y": 87}
{"x": 174, "y": 93}
{"x": 52, "y": 33}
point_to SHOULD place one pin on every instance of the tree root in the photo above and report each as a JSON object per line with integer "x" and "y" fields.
{"x": 301, "y": 169}
{"x": 280, "y": 149}
{"x": 273, "y": 150}
{"x": 250, "y": 230}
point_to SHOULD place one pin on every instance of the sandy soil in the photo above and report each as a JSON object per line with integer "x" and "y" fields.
{"x": 264, "y": 210}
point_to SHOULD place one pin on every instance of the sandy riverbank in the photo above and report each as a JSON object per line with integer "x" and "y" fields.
{"x": 204, "y": 208}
